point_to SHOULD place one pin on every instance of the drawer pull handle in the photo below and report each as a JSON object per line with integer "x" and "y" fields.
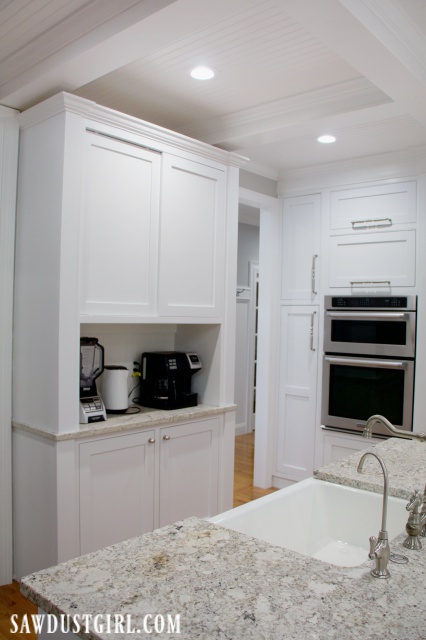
{"x": 166, "y": 437}
{"x": 375, "y": 222}
{"x": 364, "y": 282}
{"x": 151, "y": 440}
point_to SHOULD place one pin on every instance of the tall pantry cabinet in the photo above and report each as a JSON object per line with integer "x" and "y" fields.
{"x": 298, "y": 354}
{"x": 339, "y": 239}
{"x": 120, "y": 223}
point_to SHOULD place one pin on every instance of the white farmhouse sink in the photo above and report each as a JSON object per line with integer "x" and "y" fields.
{"x": 320, "y": 519}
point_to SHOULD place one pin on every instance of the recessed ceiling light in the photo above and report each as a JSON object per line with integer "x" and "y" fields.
{"x": 326, "y": 139}
{"x": 202, "y": 73}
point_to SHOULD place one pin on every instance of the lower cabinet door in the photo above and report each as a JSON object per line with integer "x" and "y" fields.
{"x": 189, "y": 460}
{"x": 340, "y": 445}
{"x": 116, "y": 489}
{"x": 297, "y": 392}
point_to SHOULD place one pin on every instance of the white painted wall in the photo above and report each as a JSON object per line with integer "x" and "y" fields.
{"x": 248, "y": 251}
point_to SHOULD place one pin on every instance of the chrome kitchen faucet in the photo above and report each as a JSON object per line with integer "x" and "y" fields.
{"x": 379, "y": 547}
{"x": 410, "y": 435}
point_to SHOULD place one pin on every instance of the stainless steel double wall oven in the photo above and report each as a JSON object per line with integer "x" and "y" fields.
{"x": 369, "y": 355}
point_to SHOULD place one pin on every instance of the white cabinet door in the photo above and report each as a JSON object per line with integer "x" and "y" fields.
{"x": 300, "y": 248}
{"x": 189, "y": 459}
{"x": 382, "y": 259}
{"x": 192, "y": 248}
{"x": 340, "y": 445}
{"x": 116, "y": 489}
{"x": 297, "y": 392}
{"x": 375, "y": 206}
{"x": 119, "y": 236}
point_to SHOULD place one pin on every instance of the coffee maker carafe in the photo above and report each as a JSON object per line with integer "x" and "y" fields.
{"x": 91, "y": 366}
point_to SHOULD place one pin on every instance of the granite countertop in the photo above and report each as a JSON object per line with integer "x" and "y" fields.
{"x": 229, "y": 586}
{"x": 226, "y": 585}
{"x": 146, "y": 418}
{"x": 405, "y": 462}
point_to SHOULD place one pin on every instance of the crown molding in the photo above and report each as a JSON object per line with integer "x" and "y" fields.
{"x": 99, "y": 118}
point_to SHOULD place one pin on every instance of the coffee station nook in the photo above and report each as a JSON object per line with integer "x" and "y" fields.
{"x": 125, "y": 239}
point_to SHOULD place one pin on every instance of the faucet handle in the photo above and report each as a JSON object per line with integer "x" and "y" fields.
{"x": 373, "y": 543}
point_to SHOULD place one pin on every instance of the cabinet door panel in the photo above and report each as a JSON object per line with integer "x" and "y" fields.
{"x": 192, "y": 251}
{"x": 386, "y": 259}
{"x": 116, "y": 489}
{"x": 374, "y": 206}
{"x": 120, "y": 229}
{"x": 300, "y": 248}
{"x": 338, "y": 446}
{"x": 189, "y": 458}
{"x": 297, "y": 403}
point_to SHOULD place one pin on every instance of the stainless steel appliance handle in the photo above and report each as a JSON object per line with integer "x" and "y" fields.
{"x": 313, "y": 283}
{"x": 375, "y": 222}
{"x": 392, "y": 315}
{"x": 364, "y": 282}
{"x": 367, "y": 362}
{"x": 312, "y": 330}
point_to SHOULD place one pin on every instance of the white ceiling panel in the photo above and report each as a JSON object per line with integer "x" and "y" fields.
{"x": 355, "y": 141}
{"x": 261, "y": 55}
{"x": 286, "y": 70}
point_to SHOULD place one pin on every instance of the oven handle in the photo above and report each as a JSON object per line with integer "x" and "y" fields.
{"x": 387, "y": 315}
{"x": 367, "y": 362}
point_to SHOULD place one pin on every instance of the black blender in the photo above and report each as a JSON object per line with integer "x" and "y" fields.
{"x": 91, "y": 366}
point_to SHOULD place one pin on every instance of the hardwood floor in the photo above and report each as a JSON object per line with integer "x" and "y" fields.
{"x": 244, "y": 491}
{"x": 11, "y": 600}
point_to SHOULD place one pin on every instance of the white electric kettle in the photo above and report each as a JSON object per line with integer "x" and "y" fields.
{"x": 114, "y": 388}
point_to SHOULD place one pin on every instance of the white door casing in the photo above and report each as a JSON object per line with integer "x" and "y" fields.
{"x": 9, "y": 133}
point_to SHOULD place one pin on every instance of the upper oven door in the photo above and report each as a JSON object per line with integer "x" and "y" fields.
{"x": 376, "y": 333}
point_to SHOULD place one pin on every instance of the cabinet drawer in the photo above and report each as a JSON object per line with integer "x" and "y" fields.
{"x": 378, "y": 206}
{"x": 373, "y": 260}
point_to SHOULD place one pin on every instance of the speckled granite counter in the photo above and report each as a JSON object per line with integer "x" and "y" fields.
{"x": 226, "y": 585}
{"x": 405, "y": 462}
{"x": 145, "y": 419}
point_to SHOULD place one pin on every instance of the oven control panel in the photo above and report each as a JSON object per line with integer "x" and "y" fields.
{"x": 371, "y": 302}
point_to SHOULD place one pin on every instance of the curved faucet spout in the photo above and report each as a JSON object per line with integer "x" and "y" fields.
{"x": 409, "y": 435}
{"x": 385, "y": 483}
{"x": 379, "y": 547}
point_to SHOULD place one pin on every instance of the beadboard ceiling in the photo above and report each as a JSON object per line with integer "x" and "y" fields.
{"x": 287, "y": 70}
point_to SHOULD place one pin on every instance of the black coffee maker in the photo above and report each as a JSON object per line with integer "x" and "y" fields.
{"x": 166, "y": 379}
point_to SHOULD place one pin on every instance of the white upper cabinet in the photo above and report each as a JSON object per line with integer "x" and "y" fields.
{"x": 300, "y": 248}
{"x": 373, "y": 260}
{"x": 192, "y": 238}
{"x": 380, "y": 206}
{"x": 119, "y": 224}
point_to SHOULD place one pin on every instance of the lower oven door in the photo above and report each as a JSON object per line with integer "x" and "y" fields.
{"x": 356, "y": 388}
